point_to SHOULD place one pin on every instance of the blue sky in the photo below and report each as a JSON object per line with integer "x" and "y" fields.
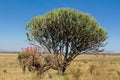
{"x": 15, "y": 14}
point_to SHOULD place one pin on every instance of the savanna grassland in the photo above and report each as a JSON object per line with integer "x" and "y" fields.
{"x": 84, "y": 67}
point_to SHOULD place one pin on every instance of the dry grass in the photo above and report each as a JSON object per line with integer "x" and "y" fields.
{"x": 84, "y": 67}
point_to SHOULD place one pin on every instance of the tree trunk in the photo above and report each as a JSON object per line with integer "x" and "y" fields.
{"x": 62, "y": 68}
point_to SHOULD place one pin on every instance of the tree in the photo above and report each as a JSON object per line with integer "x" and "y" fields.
{"x": 66, "y": 31}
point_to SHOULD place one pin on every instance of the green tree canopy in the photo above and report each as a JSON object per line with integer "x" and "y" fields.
{"x": 67, "y": 30}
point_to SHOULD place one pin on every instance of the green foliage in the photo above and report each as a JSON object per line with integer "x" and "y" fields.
{"x": 66, "y": 30}
{"x": 22, "y": 55}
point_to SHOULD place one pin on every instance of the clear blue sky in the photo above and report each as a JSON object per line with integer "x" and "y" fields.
{"x": 15, "y": 14}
